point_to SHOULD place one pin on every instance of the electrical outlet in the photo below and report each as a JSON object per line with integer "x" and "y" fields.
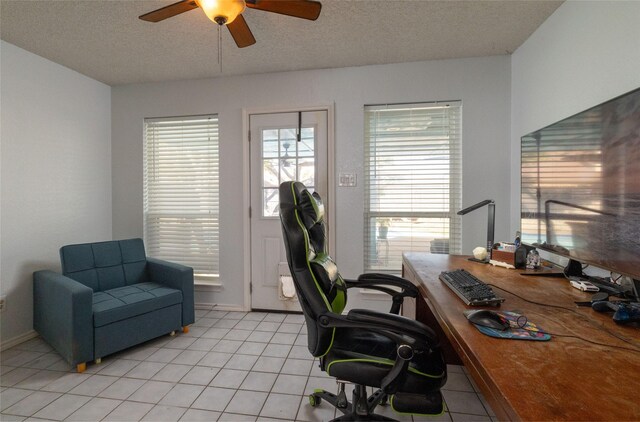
{"x": 3, "y": 299}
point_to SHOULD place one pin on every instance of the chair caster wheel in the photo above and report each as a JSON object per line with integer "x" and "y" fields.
{"x": 314, "y": 400}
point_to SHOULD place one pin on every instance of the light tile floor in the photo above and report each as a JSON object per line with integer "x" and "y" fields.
{"x": 231, "y": 366}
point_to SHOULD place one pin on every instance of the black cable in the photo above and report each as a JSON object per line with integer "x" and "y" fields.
{"x": 534, "y": 302}
{"x": 577, "y": 313}
{"x": 616, "y": 279}
{"x": 523, "y": 327}
{"x": 569, "y": 310}
{"x": 584, "y": 339}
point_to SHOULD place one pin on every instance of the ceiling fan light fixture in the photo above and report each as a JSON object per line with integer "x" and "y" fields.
{"x": 222, "y": 12}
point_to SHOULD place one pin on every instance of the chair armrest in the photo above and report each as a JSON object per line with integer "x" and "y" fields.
{"x": 398, "y": 328}
{"x": 390, "y": 280}
{"x": 63, "y": 315}
{"x": 405, "y": 325}
{"x": 377, "y": 281}
{"x": 178, "y": 277}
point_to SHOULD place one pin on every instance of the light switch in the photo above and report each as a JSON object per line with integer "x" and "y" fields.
{"x": 347, "y": 179}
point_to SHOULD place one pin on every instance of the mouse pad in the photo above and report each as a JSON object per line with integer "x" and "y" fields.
{"x": 519, "y": 330}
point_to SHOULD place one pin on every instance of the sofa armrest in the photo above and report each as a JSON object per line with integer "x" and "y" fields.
{"x": 178, "y": 277}
{"x": 63, "y": 315}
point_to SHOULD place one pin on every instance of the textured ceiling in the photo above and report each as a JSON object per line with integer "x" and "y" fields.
{"x": 106, "y": 41}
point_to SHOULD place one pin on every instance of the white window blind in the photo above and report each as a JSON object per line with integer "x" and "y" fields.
{"x": 413, "y": 178}
{"x": 181, "y": 193}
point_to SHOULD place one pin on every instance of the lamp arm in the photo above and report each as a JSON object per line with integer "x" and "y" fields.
{"x": 475, "y": 206}
{"x": 491, "y": 223}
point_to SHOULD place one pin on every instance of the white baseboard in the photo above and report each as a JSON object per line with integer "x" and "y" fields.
{"x": 205, "y": 306}
{"x": 228, "y": 308}
{"x": 219, "y": 307}
{"x": 208, "y": 287}
{"x": 17, "y": 340}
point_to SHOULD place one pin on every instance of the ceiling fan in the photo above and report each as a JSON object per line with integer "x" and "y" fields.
{"x": 229, "y": 13}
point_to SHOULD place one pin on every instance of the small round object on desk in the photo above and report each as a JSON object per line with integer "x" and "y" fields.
{"x": 480, "y": 253}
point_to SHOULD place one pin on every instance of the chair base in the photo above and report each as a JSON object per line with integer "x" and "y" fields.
{"x": 361, "y": 407}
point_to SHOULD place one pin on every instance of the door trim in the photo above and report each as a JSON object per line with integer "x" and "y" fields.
{"x": 246, "y": 182}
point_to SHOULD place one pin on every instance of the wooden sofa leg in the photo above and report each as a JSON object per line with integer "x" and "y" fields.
{"x": 81, "y": 367}
{"x": 173, "y": 333}
{"x": 98, "y": 361}
{"x": 185, "y": 329}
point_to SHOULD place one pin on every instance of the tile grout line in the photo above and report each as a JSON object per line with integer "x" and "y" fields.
{"x": 165, "y": 345}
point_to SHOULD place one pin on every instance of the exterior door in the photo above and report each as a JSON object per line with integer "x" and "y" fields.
{"x": 277, "y": 155}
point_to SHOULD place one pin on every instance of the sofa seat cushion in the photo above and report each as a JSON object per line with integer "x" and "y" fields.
{"x": 130, "y": 301}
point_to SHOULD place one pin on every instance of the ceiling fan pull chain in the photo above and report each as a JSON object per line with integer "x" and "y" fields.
{"x": 220, "y": 48}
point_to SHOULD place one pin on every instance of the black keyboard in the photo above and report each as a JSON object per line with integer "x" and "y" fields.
{"x": 470, "y": 289}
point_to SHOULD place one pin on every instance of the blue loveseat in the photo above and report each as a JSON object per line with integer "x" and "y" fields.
{"x": 109, "y": 297}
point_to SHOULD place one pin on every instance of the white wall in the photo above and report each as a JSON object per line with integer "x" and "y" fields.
{"x": 483, "y": 84}
{"x": 55, "y": 172}
{"x": 584, "y": 54}
{"x": 56, "y": 127}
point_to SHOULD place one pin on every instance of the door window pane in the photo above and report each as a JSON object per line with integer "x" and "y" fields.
{"x": 270, "y": 170}
{"x": 306, "y": 171}
{"x": 285, "y": 159}
{"x": 270, "y": 202}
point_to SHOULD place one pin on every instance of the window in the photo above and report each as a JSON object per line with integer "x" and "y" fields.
{"x": 181, "y": 193}
{"x": 412, "y": 182}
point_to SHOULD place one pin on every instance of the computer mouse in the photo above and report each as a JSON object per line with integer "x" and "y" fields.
{"x": 487, "y": 318}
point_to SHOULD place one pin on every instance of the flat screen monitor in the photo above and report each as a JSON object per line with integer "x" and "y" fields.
{"x": 581, "y": 186}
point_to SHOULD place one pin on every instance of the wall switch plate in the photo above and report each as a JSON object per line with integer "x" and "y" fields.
{"x": 347, "y": 179}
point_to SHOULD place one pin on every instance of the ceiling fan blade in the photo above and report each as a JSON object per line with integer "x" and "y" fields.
{"x": 305, "y": 9}
{"x": 241, "y": 33}
{"x": 169, "y": 11}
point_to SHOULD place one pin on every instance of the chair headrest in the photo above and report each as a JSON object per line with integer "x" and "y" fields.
{"x": 312, "y": 208}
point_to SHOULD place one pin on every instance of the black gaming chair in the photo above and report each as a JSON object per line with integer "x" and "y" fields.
{"x": 399, "y": 356}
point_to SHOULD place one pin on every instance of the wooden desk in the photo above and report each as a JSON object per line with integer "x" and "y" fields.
{"x": 561, "y": 379}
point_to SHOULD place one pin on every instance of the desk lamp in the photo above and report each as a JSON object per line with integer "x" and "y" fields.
{"x": 490, "y": 225}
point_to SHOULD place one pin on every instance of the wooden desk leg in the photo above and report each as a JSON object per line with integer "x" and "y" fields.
{"x": 424, "y": 315}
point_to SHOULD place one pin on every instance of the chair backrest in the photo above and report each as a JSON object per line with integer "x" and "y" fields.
{"x": 105, "y": 265}
{"x": 315, "y": 275}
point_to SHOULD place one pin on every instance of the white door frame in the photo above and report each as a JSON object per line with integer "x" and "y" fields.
{"x": 246, "y": 182}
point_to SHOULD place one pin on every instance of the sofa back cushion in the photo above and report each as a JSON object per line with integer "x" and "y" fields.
{"x": 105, "y": 265}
